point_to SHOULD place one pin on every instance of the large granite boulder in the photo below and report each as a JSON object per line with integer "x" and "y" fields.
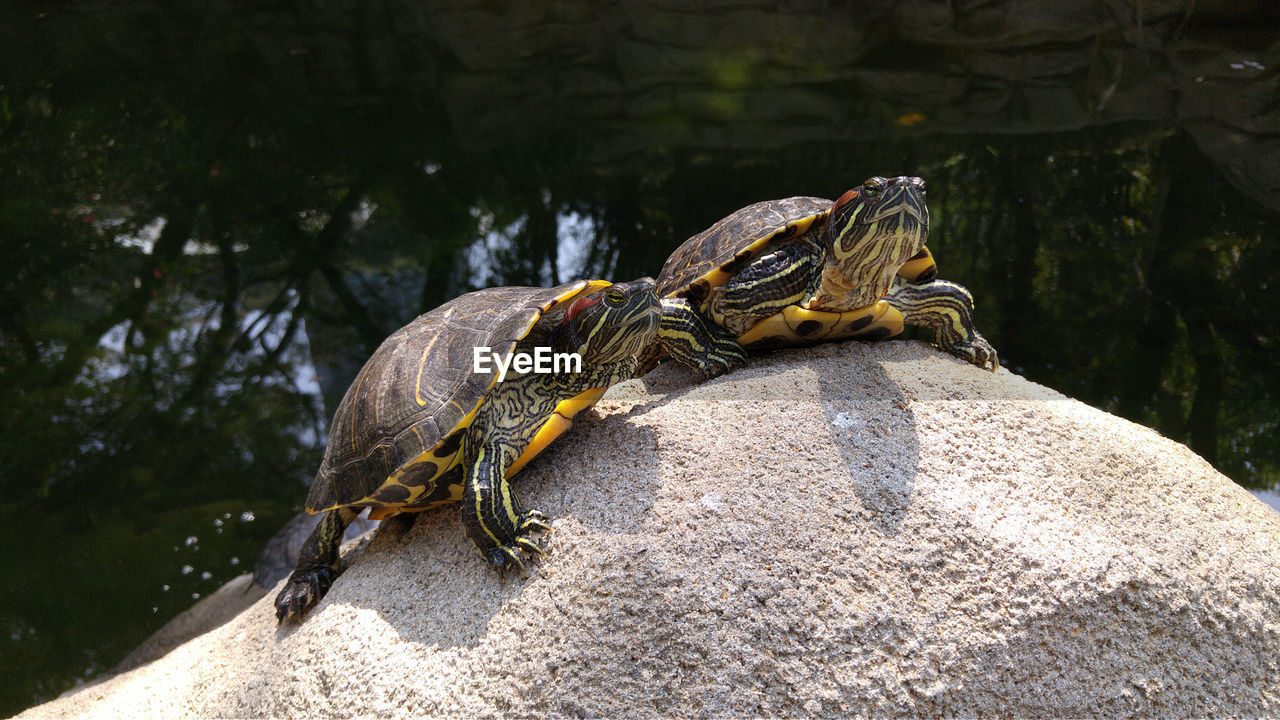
{"x": 852, "y": 529}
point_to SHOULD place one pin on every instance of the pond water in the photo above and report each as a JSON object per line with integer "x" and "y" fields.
{"x": 211, "y": 216}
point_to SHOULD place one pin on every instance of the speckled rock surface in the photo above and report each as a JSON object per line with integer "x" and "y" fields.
{"x": 854, "y": 529}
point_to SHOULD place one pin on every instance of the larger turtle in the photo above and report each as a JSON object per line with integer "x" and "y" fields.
{"x": 805, "y": 270}
{"x": 420, "y": 427}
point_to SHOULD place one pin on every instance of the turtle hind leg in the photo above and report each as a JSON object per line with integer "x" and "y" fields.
{"x": 695, "y": 341}
{"x": 317, "y": 566}
{"x": 946, "y": 308}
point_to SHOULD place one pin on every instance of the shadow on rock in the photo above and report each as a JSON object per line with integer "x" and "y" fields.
{"x": 875, "y": 432}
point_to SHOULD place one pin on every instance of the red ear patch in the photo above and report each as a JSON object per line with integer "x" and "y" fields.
{"x": 845, "y": 199}
{"x": 581, "y": 304}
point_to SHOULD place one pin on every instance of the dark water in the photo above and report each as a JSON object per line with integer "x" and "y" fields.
{"x": 210, "y": 215}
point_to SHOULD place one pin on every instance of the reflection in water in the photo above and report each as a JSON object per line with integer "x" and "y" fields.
{"x": 186, "y": 266}
{"x": 1270, "y": 496}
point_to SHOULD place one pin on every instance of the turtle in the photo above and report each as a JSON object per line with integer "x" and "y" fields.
{"x": 422, "y": 426}
{"x": 804, "y": 270}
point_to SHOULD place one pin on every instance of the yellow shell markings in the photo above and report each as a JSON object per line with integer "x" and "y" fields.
{"x": 877, "y": 318}
{"x": 880, "y": 317}
{"x": 422, "y": 360}
{"x": 575, "y": 294}
{"x": 556, "y": 425}
{"x": 359, "y": 384}
{"x": 422, "y": 485}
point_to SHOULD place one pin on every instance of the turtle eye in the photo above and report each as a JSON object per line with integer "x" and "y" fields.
{"x": 615, "y": 297}
{"x": 872, "y": 187}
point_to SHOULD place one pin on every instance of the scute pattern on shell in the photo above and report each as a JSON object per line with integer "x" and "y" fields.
{"x": 733, "y": 242}
{"x": 419, "y": 385}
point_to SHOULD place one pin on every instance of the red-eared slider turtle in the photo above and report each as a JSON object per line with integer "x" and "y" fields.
{"x": 806, "y": 270}
{"x": 419, "y": 427}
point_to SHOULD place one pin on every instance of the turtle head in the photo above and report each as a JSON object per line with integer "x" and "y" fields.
{"x": 613, "y": 323}
{"x": 875, "y": 228}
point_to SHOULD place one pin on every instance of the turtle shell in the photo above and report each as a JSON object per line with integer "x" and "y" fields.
{"x": 707, "y": 260}
{"x": 396, "y": 435}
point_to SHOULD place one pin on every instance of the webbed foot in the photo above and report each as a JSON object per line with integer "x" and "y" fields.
{"x": 697, "y": 342}
{"x": 302, "y": 591}
{"x": 717, "y": 362}
{"x": 513, "y": 553}
{"x": 317, "y": 566}
{"x": 947, "y": 309}
{"x": 977, "y": 351}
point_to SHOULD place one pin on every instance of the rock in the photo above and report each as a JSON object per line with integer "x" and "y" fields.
{"x": 855, "y": 529}
{"x": 225, "y": 603}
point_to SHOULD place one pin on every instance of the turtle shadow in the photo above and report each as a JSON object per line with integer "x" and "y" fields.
{"x": 870, "y": 419}
{"x": 865, "y": 409}
{"x": 866, "y": 399}
{"x": 426, "y": 580}
{"x": 669, "y": 382}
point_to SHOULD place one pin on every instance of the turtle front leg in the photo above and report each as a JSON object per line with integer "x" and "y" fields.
{"x": 947, "y": 309}
{"x": 317, "y": 566}
{"x": 697, "y": 342}
{"x": 492, "y": 516}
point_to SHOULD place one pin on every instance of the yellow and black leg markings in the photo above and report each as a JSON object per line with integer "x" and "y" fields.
{"x": 561, "y": 420}
{"x": 695, "y": 341}
{"x": 317, "y": 566}
{"x": 505, "y": 435}
{"x": 946, "y": 308}
{"x": 649, "y": 358}
{"x": 491, "y": 513}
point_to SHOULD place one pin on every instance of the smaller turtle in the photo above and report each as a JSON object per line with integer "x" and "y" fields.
{"x": 805, "y": 270}
{"x": 420, "y": 427}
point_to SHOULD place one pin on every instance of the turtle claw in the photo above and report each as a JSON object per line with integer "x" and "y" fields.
{"x": 515, "y": 551}
{"x": 534, "y": 520}
{"x": 303, "y": 590}
{"x": 530, "y": 547}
